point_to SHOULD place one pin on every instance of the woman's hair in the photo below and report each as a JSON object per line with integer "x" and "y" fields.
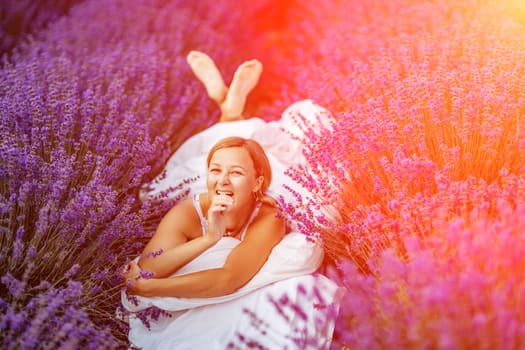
{"x": 257, "y": 154}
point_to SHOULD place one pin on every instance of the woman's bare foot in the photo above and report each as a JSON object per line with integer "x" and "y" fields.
{"x": 207, "y": 72}
{"x": 244, "y": 80}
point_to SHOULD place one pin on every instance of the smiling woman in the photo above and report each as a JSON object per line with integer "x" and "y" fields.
{"x": 233, "y": 209}
{"x": 227, "y": 249}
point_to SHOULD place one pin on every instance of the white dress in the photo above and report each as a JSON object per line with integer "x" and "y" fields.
{"x": 286, "y": 305}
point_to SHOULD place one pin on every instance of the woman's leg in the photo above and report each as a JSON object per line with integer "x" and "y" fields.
{"x": 207, "y": 72}
{"x": 244, "y": 80}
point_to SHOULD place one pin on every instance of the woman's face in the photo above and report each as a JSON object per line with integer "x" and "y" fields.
{"x": 231, "y": 172}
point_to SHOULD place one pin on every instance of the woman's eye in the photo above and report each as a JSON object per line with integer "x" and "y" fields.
{"x": 214, "y": 171}
{"x": 236, "y": 173}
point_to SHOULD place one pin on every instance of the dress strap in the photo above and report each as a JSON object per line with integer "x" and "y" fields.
{"x": 204, "y": 222}
{"x": 254, "y": 214}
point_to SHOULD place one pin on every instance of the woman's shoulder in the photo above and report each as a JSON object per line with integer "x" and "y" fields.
{"x": 269, "y": 211}
{"x": 267, "y": 223}
{"x": 184, "y": 215}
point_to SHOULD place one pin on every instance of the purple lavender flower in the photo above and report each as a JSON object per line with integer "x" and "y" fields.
{"x": 91, "y": 109}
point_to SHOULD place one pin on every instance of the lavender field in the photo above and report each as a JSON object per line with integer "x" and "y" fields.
{"x": 425, "y": 169}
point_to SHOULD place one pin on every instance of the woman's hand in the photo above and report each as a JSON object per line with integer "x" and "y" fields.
{"x": 216, "y": 217}
{"x": 133, "y": 280}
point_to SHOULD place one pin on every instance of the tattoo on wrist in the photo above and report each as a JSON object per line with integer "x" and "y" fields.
{"x": 155, "y": 253}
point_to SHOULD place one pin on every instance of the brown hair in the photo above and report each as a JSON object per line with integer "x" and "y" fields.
{"x": 257, "y": 154}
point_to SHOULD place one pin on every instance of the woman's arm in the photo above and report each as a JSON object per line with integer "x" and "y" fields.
{"x": 171, "y": 247}
{"x": 242, "y": 264}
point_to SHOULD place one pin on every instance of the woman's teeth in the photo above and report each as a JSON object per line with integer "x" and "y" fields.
{"x": 224, "y": 193}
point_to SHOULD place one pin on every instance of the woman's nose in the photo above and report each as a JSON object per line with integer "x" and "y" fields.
{"x": 224, "y": 178}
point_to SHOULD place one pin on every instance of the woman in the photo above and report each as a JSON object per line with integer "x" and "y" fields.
{"x": 238, "y": 175}
{"x": 220, "y": 266}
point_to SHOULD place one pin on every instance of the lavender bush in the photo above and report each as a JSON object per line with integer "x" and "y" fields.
{"x": 425, "y": 166}
{"x": 90, "y": 111}
{"x": 21, "y": 18}
{"x": 459, "y": 289}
